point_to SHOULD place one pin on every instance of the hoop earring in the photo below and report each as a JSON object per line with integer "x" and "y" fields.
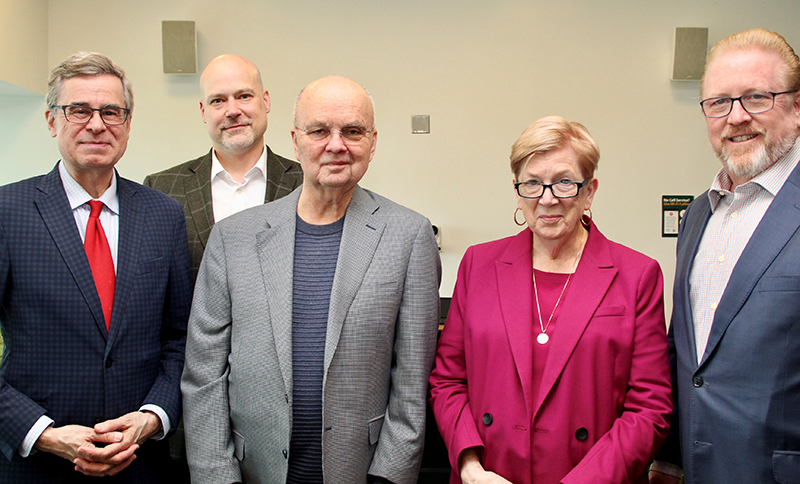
{"x": 515, "y": 218}
{"x": 586, "y": 221}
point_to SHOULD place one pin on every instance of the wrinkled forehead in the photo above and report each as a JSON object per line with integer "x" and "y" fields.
{"x": 101, "y": 89}
{"x": 335, "y": 104}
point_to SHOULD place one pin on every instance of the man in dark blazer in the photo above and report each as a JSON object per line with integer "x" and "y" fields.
{"x": 240, "y": 171}
{"x": 735, "y": 332}
{"x": 314, "y": 321}
{"x": 89, "y": 382}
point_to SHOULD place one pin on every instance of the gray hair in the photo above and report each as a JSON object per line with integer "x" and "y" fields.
{"x": 85, "y": 64}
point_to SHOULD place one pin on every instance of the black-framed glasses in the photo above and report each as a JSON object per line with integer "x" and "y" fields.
{"x": 352, "y": 134}
{"x": 111, "y": 115}
{"x": 753, "y": 103}
{"x": 559, "y": 189}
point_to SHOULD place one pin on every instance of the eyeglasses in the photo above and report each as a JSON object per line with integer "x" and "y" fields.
{"x": 349, "y": 134}
{"x": 753, "y": 103}
{"x": 559, "y": 189}
{"x": 111, "y": 115}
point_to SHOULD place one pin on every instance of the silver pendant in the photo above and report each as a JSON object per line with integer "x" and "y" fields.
{"x": 542, "y": 338}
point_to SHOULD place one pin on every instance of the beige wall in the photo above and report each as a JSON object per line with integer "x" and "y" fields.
{"x": 23, "y": 41}
{"x": 483, "y": 71}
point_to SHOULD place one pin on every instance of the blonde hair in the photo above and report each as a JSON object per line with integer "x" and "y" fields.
{"x": 554, "y": 132}
{"x": 759, "y": 39}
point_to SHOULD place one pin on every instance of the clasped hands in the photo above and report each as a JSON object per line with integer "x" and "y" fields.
{"x": 118, "y": 441}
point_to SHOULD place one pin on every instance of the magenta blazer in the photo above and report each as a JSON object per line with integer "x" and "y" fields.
{"x": 604, "y": 403}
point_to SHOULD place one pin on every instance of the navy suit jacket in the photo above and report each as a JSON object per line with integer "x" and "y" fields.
{"x": 59, "y": 360}
{"x": 738, "y": 411}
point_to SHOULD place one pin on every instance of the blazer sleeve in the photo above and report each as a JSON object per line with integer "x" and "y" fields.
{"x": 623, "y": 453}
{"x": 398, "y": 455}
{"x": 209, "y": 440}
{"x": 449, "y": 395}
{"x": 18, "y": 413}
{"x": 166, "y": 392}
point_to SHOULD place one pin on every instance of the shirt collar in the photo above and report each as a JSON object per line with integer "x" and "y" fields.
{"x": 77, "y": 196}
{"x": 771, "y": 179}
{"x": 261, "y": 165}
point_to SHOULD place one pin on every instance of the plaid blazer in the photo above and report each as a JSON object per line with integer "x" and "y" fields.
{"x": 380, "y": 343}
{"x": 190, "y": 184}
{"x": 59, "y": 359}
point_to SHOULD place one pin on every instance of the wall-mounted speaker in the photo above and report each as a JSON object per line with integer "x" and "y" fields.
{"x": 179, "y": 46}
{"x": 691, "y": 48}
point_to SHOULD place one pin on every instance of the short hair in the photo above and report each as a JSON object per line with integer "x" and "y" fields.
{"x": 758, "y": 39}
{"x": 551, "y": 133}
{"x": 85, "y": 64}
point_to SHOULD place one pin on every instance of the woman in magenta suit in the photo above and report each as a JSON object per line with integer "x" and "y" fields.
{"x": 552, "y": 366}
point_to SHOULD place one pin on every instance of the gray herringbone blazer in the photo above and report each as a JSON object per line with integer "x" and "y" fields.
{"x": 381, "y": 338}
{"x": 190, "y": 184}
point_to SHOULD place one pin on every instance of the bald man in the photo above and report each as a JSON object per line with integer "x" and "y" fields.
{"x": 314, "y": 322}
{"x": 239, "y": 171}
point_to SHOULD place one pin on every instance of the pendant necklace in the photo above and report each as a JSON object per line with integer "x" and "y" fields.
{"x": 543, "y": 338}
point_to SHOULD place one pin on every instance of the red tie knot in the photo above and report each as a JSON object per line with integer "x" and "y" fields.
{"x": 97, "y": 207}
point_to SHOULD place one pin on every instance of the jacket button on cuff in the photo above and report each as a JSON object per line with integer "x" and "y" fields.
{"x": 285, "y": 454}
{"x": 697, "y": 381}
{"x": 487, "y": 419}
{"x": 582, "y": 434}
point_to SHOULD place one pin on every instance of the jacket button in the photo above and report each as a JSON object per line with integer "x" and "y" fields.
{"x": 285, "y": 453}
{"x": 96, "y": 420}
{"x": 697, "y": 381}
{"x": 582, "y": 434}
{"x": 487, "y": 419}
{"x": 109, "y": 363}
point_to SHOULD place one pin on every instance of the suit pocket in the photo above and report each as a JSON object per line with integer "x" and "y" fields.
{"x": 375, "y": 426}
{"x": 606, "y": 311}
{"x": 779, "y": 284}
{"x": 786, "y": 466}
{"x": 151, "y": 265}
{"x": 238, "y": 445}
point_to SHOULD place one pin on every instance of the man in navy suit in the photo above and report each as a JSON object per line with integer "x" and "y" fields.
{"x": 735, "y": 332}
{"x": 89, "y": 382}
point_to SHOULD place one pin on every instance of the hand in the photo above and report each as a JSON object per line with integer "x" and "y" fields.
{"x": 67, "y": 441}
{"x": 472, "y": 471}
{"x": 127, "y": 433}
{"x": 661, "y": 478}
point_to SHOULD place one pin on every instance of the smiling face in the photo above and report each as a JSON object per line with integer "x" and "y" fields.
{"x": 92, "y": 148}
{"x": 747, "y": 144}
{"x": 334, "y": 164}
{"x": 234, "y": 105}
{"x": 552, "y": 218}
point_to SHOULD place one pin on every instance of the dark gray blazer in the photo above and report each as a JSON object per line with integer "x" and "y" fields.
{"x": 380, "y": 343}
{"x": 737, "y": 413}
{"x": 190, "y": 184}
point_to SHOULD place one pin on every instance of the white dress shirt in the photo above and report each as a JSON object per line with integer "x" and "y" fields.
{"x": 228, "y": 196}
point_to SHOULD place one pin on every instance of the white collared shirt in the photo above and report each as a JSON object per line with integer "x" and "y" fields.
{"x": 228, "y": 196}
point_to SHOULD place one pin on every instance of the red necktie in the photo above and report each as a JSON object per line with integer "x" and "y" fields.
{"x": 99, "y": 255}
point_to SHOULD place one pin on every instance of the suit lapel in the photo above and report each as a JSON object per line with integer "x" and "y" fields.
{"x": 131, "y": 221}
{"x": 53, "y": 205}
{"x": 589, "y": 285}
{"x": 692, "y": 232}
{"x": 779, "y": 224}
{"x": 198, "y": 197}
{"x": 275, "y": 247}
{"x": 514, "y": 277}
{"x": 362, "y": 232}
